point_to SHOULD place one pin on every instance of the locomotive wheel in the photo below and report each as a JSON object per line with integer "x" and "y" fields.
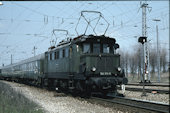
{"x": 63, "y": 85}
{"x": 88, "y": 93}
{"x": 104, "y": 94}
{"x": 82, "y": 91}
{"x": 79, "y": 86}
{"x": 78, "y": 90}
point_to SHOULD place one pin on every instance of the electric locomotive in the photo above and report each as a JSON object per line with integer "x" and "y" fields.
{"x": 84, "y": 65}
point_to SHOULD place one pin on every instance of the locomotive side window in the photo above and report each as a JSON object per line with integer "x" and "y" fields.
{"x": 70, "y": 51}
{"x": 60, "y": 53}
{"x": 63, "y": 53}
{"x": 96, "y": 48}
{"x": 57, "y": 55}
{"x": 50, "y": 56}
{"x": 66, "y": 52}
{"x": 53, "y": 56}
{"x": 106, "y": 48}
{"x": 86, "y": 48}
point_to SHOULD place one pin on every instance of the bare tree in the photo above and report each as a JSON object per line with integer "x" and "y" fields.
{"x": 153, "y": 61}
{"x": 126, "y": 57}
{"x": 138, "y": 60}
{"x": 124, "y": 61}
{"x": 163, "y": 61}
{"x": 135, "y": 61}
{"x": 132, "y": 64}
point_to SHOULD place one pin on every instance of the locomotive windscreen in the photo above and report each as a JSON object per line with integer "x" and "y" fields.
{"x": 98, "y": 48}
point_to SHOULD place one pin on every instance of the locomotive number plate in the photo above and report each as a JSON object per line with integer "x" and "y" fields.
{"x": 105, "y": 73}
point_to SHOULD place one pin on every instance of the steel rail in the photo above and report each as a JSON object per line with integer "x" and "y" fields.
{"x": 141, "y": 84}
{"x": 146, "y": 90}
{"x": 145, "y": 105}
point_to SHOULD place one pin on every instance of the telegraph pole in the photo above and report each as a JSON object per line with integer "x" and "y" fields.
{"x": 158, "y": 52}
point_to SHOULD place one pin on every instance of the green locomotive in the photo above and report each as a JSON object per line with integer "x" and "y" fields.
{"x": 83, "y": 65}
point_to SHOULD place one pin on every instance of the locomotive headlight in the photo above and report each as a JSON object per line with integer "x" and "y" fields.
{"x": 119, "y": 69}
{"x": 93, "y": 69}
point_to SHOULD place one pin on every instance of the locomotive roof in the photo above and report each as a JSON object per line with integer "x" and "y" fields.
{"x": 36, "y": 58}
{"x": 60, "y": 46}
{"x": 92, "y": 38}
{"x": 83, "y": 38}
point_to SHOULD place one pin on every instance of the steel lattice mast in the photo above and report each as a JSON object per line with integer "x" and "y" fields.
{"x": 146, "y": 71}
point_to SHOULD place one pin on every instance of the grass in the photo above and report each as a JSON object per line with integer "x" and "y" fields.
{"x": 14, "y": 102}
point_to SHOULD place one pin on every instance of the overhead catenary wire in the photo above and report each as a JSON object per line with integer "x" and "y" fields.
{"x": 45, "y": 29}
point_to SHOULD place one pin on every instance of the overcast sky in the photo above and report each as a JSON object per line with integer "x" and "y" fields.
{"x": 24, "y": 25}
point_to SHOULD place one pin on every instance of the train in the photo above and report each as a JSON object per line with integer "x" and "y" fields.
{"x": 83, "y": 65}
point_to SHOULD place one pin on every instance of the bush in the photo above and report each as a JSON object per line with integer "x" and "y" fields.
{"x": 14, "y": 102}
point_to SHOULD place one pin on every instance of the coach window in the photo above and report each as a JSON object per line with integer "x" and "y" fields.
{"x": 55, "y": 55}
{"x": 86, "y": 48}
{"x": 30, "y": 66}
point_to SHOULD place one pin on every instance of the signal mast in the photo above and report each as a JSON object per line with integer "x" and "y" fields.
{"x": 143, "y": 40}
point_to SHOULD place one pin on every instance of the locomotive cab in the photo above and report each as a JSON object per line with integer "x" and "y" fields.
{"x": 99, "y": 57}
{"x": 100, "y": 63}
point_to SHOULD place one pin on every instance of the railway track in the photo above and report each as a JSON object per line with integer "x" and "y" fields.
{"x": 146, "y": 90}
{"x": 149, "y": 84}
{"x": 145, "y": 105}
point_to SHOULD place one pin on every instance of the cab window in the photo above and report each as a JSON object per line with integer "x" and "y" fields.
{"x": 96, "y": 48}
{"x": 106, "y": 48}
{"x": 86, "y": 48}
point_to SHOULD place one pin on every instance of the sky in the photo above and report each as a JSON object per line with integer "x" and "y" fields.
{"x": 25, "y": 25}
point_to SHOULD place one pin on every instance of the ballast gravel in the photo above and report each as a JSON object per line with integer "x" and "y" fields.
{"x": 53, "y": 102}
{"x": 154, "y": 97}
